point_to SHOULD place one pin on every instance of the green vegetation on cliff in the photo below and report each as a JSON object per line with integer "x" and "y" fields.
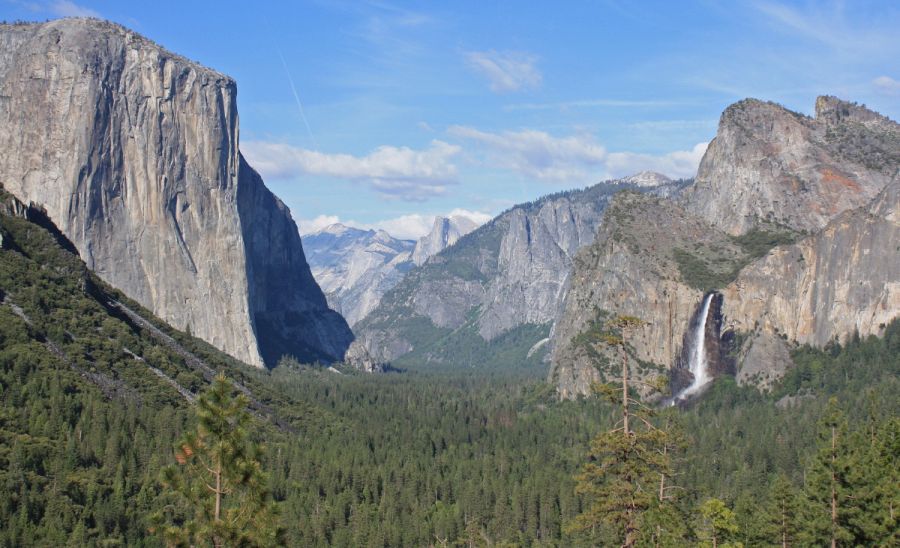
{"x": 410, "y": 458}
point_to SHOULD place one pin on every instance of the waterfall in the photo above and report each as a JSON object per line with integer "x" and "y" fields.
{"x": 698, "y": 364}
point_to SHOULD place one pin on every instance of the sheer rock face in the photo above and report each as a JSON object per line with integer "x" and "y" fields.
{"x": 507, "y": 273}
{"x": 444, "y": 233}
{"x": 356, "y": 267}
{"x": 844, "y": 279}
{"x": 770, "y": 165}
{"x": 630, "y": 269}
{"x": 835, "y": 176}
{"x": 133, "y": 153}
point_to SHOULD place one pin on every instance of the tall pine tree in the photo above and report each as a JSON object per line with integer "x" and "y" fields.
{"x": 217, "y": 490}
{"x": 629, "y": 463}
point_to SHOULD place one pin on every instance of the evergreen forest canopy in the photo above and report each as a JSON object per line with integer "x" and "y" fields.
{"x": 96, "y": 394}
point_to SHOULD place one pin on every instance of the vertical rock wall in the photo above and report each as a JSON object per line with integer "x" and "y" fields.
{"x": 133, "y": 153}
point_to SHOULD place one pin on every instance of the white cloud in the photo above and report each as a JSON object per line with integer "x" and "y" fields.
{"x": 478, "y": 217}
{"x": 681, "y": 163}
{"x": 308, "y": 226}
{"x": 577, "y": 158}
{"x": 406, "y": 227}
{"x": 395, "y": 172}
{"x": 887, "y": 85}
{"x": 65, "y": 8}
{"x": 538, "y": 154}
{"x": 506, "y": 71}
{"x": 832, "y": 24}
{"x": 592, "y": 103}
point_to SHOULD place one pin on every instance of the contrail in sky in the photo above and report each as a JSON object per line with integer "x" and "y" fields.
{"x": 297, "y": 98}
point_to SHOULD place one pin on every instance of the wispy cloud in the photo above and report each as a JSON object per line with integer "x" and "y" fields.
{"x": 308, "y": 226}
{"x": 575, "y": 158}
{"x": 887, "y": 85}
{"x": 681, "y": 163}
{"x": 394, "y": 172}
{"x": 406, "y": 227}
{"x": 536, "y": 153}
{"x": 830, "y": 24}
{"x": 592, "y": 103}
{"x": 506, "y": 71}
{"x": 65, "y": 8}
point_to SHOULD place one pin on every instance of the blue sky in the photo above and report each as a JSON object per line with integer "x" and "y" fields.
{"x": 384, "y": 114}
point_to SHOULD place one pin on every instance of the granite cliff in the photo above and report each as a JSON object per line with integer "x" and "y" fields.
{"x": 445, "y": 232}
{"x": 792, "y": 220}
{"x": 842, "y": 280}
{"x": 356, "y": 267}
{"x": 635, "y": 267}
{"x": 768, "y": 165}
{"x": 496, "y": 290}
{"x": 133, "y": 153}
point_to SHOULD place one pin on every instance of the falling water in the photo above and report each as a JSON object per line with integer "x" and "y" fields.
{"x": 698, "y": 364}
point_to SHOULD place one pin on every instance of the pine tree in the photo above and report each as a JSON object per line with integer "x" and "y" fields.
{"x": 827, "y": 482}
{"x": 629, "y": 463}
{"x": 782, "y": 517}
{"x": 718, "y": 524}
{"x": 873, "y": 482}
{"x": 219, "y": 489}
{"x": 668, "y": 525}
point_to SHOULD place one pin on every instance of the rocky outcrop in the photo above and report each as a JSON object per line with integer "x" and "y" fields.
{"x": 508, "y": 273}
{"x": 632, "y": 268}
{"x": 768, "y": 165}
{"x": 133, "y": 153}
{"x": 444, "y": 233}
{"x": 843, "y": 280}
{"x": 356, "y": 267}
{"x": 767, "y": 171}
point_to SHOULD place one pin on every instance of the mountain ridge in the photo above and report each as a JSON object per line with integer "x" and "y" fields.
{"x": 508, "y": 273}
{"x": 356, "y": 267}
{"x": 783, "y": 278}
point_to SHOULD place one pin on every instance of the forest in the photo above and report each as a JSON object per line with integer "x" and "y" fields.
{"x": 94, "y": 437}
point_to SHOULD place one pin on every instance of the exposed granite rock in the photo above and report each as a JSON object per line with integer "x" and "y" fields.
{"x": 444, "y": 233}
{"x": 133, "y": 153}
{"x": 631, "y": 269}
{"x": 765, "y": 359}
{"x": 842, "y": 280}
{"x": 289, "y": 312}
{"x": 507, "y": 273}
{"x": 359, "y": 356}
{"x": 770, "y": 165}
{"x": 356, "y": 267}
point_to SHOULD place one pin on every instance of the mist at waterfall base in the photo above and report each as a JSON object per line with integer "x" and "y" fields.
{"x": 698, "y": 362}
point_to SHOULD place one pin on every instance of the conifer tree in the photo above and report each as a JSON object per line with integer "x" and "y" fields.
{"x": 718, "y": 524}
{"x": 827, "y": 482}
{"x": 629, "y": 463}
{"x": 873, "y": 483}
{"x": 219, "y": 489}
{"x": 782, "y": 518}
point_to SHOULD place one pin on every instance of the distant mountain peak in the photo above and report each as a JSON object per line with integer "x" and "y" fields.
{"x": 646, "y": 179}
{"x": 335, "y": 229}
{"x": 444, "y": 232}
